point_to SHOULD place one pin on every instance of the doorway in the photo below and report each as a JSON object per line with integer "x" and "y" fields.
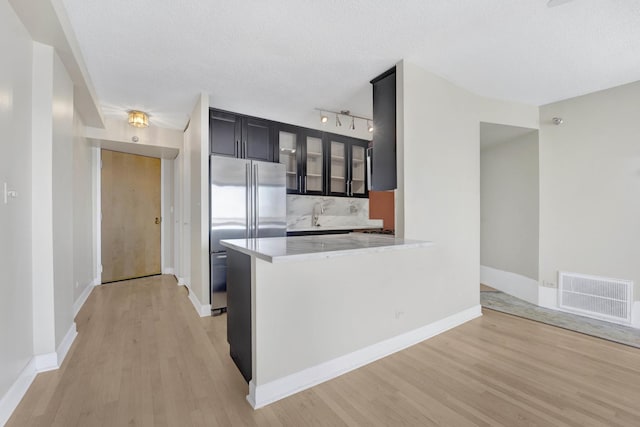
{"x": 131, "y": 216}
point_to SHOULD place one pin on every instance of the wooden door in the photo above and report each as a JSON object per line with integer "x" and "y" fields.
{"x": 130, "y": 216}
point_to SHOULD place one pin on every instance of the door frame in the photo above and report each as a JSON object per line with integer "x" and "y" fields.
{"x": 167, "y": 220}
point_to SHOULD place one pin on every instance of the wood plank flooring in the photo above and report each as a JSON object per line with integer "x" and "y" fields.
{"x": 143, "y": 358}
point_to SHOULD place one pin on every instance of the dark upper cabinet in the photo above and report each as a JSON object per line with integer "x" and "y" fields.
{"x": 302, "y": 151}
{"x": 346, "y": 166}
{"x": 383, "y": 162}
{"x": 239, "y": 136}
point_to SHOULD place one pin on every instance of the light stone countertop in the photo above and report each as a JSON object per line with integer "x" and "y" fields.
{"x": 299, "y": 248}
{"x": 336, "y": 227}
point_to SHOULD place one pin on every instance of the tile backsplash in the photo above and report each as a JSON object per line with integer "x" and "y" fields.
{"x": 300, "y": 209}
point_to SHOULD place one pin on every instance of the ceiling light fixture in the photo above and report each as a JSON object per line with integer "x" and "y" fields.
{"x": 138, "y": 119}
{"x": 557, "y": 121}
{"x": 346, "y": 113}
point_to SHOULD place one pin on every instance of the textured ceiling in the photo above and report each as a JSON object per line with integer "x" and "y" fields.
{"x": 274, "y": 57}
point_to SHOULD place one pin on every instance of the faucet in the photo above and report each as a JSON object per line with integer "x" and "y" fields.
{"x": 318, "y": 210}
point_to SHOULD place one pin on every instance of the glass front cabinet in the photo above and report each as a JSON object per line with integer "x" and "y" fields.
{"x": 347, "y": 168}
{"x": 321, "y": 163}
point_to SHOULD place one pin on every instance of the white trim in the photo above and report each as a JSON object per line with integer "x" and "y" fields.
{"x": 162, "y": 214}
{"x": 203, "y": 310}
{"x": 181, "y": 281}
{"x": 66, "y": 343}
{"x": 96, "y": 282}
{"x": 97, "y": 194}
{"x": 38, "y": 363}
{"x": 548, "y": 297}
{"x": 264, "y": 394}
{"x": 635, "y": 315}
{"x": 46, "y": 362}
{"x": 168, "y": 271}
{"x": 50, "y": 361}
{"x": 83, "y": 297}
{"x": 16, "y": 392}
{"x": 514, "y": 284}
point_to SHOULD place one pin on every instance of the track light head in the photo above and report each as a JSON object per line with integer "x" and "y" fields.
{"x": 323, "y": 117}
{"x": 369, "y": 126}
{"x": 338, "y": 122}
{"x": 353, "y": 123}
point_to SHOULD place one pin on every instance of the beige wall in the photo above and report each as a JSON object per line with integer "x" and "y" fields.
{"x": 196, "y": 200}
{"x": 62, "y": 192}
{"x": 438, "y": 195}
{"x": 16, "y": 323}
{"x": 509, "y": 209}
{"x": 84, "y": 258}
{"x": 590, "y": 186}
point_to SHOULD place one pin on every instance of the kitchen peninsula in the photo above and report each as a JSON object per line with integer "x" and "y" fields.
{"x": 302, "y": 310}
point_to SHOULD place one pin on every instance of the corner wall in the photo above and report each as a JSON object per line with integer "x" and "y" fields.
{"x": 16, "y": 314}
{"x": 509, "y": 212}
{"x": 438, "y": 197}
{"x": 590, "y": 186}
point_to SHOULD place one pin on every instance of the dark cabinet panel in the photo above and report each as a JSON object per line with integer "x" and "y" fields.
{"x": 239, "y": 136}
{"x": 225, "y": 131}
{"x": 383, "y": 162}
{"x": 257, "y": 139}
{"x": 239, "y": 311}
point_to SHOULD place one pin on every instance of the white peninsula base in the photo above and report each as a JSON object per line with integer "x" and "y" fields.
{"x": 318, "y": 316}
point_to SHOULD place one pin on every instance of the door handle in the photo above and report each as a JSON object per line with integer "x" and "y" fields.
{"x": 256, "y": 202}
{"x": 158, "y": 220}
{"x": 236, "y": 148}
{"x": 300, "y": 184}
{"x": 244, "y": 149}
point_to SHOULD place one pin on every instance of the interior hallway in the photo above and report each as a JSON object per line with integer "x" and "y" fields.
{"x": 142, "y": 357}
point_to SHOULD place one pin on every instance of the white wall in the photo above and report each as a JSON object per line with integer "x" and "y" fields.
{"x": 42, "y": 200}
{"x": 195, "y": 177}
{"x": 84, "y": 258}
{"x": 16, "y": 323}
{"x": 590, "y": 186}
{"x": 438, "y": 196}
{"x": 509, "y": 209}
{"x": 62, "y": 192}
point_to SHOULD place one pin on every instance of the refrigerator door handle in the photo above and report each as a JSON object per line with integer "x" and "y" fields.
{"x": 247, "y": 172}
{"x": 300, "y": 183}
{"x": 305, "y": 183}
{"x": 256, "y": 202}
{"x": 244, "y": 149}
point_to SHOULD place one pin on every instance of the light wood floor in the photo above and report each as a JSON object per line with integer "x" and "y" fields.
{"x": 143, "y": 358}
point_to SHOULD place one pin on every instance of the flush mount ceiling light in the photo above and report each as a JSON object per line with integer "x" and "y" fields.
{"x": 345, "y": 113}
{"x": 138, "y": 119}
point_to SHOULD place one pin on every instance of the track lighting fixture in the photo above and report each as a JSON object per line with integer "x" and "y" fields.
{"x": 347, "y": 113}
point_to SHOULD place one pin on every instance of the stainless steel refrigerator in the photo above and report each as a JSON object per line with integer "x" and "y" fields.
{"x": 248, "y": 199}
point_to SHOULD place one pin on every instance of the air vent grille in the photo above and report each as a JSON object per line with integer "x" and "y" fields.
{"x": 597, "y": 297}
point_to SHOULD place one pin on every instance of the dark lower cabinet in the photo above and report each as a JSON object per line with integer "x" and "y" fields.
{"x": 239, "y": 311}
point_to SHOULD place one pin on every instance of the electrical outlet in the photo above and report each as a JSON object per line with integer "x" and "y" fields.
{"x": 398, "y": 314}
{"x": 548, "y": 284}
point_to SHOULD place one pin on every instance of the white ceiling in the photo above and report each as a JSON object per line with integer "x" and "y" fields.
{"x": 278, "y": 56}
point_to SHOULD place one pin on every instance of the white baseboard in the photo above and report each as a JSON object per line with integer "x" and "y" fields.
{"x": 203, "y": 310}
{"x": 264, "y": 394}
{"x": 514, "y": 284}
{"x": 181, "y": 281}
{"x": 16, "y": 392}
{"x": 50, "y": 361}
{"x": 83, "y": 297}
{"x": 65, "y": 345}
{"x": 635, "y": 315}
{"x": 38, "y": 363}
{"x": 167, "y": 271}
{"x": 97, "y": 281}
{"x": 548, "y": 297}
